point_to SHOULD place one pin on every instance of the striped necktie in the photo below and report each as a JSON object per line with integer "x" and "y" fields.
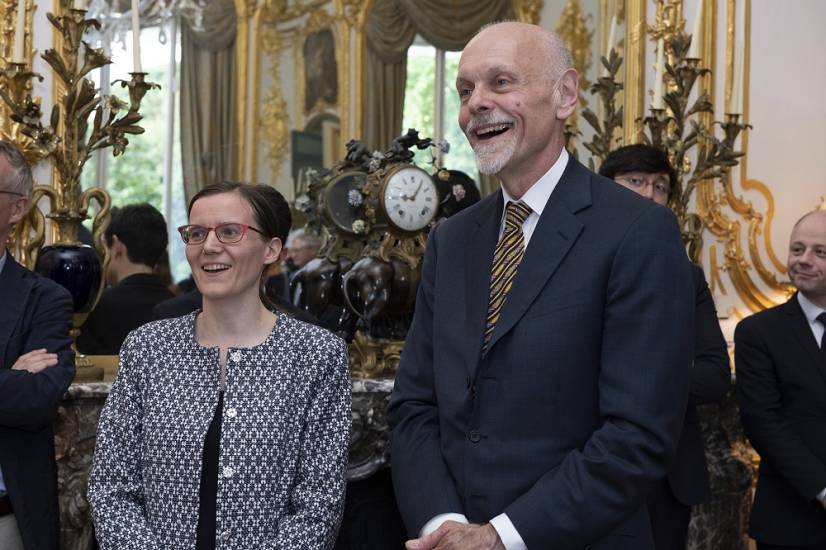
{"x": 822, "y": 319}
{"x": 506, "y": 259}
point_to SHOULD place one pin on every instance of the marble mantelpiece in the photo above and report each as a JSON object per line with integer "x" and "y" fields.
{"x": 721, "y": 523}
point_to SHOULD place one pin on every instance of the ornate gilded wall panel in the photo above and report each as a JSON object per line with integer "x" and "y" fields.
{"x": 573, "y": 27}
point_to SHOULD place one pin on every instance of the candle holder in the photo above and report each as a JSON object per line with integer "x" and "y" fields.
{"x": 679, "y": 130}
{"x": 69, "y": 139}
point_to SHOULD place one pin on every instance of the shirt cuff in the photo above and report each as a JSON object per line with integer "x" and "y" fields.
{"x": 821, "y": 496}
{"x": 507, "y": 533}
{"x": 437, "y": 521}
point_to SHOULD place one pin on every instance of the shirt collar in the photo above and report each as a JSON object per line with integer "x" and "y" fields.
{"x": 2, "y": 261}
{"x": 810, "y": 309}
{"x": 538, "y": 194}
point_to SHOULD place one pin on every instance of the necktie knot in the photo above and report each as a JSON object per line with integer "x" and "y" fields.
{"x": 515, "y": 214}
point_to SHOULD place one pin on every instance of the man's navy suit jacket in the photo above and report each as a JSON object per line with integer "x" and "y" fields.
{"x": 576, "y": 408}
{"x": 34, "y": 313}
{"x": 781, "y": 390}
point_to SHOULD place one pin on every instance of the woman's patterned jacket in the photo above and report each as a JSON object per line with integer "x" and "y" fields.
{"x": 283, "y": 450}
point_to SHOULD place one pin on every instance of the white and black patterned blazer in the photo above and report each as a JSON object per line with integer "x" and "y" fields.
{"x": 283, "y": 450}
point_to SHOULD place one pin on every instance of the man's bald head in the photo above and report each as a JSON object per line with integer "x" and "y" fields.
{"x": 807, "y": 256}
{"x": 551, "y": 50}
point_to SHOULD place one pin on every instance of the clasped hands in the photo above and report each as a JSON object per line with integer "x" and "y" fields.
{"x": 452, "y": 535}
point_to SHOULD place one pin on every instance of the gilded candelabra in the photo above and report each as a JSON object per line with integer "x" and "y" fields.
{"x": 606, "y": 87}
{"x": 69, "y": 140}
{"x": 679, "y": 130}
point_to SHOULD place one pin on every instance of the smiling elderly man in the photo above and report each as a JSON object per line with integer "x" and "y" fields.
{"x": 540, "y": 394}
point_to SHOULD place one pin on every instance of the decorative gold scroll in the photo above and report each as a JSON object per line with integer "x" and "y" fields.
{"x": 634, "y": 70}
{"x": 573, "y": 28}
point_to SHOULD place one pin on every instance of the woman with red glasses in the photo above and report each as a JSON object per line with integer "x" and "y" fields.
{"x": 227, "y": 427}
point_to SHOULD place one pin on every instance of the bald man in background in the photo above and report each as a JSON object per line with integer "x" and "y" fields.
{"x": 540, "y": 394}
{"x": 780, "y": 359}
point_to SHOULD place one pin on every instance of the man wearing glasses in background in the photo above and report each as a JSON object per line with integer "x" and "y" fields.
{"x": 36, "y": 367}
{"x": 647, "y": 171}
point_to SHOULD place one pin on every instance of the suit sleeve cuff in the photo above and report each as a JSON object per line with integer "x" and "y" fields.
{"x": 821, "y": 496}
{"x": 507, "y": 533}
{"x": 437, "y": 521}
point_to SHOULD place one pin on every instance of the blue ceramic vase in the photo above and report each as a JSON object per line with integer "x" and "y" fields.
{"x": 77, "y": 268}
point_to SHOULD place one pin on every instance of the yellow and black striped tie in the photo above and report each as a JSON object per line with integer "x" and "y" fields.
{"x": 506, "y": 259}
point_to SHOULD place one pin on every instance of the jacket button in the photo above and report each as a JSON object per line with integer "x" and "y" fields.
{"x": 225, "y": 535}
{"x": 235, "y": 356}
{"x": 232, "y": 413}
{"x": 228, "y": 471}
{"x": 474, "y": 436}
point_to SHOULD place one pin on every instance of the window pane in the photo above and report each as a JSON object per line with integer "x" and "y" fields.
{"x": 419, "y": 98}
{"x": 460, "y": 156}
{"x": 137, "y": 174}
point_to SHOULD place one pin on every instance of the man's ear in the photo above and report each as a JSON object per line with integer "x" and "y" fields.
{"x": 568, "y": 92}
{"x": 19, "y": 208}
{"x": 116, "y": 247}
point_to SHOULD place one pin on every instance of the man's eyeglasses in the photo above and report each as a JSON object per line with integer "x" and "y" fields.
{"x": 227, "y": 233}
{"x": 659, "y": 184}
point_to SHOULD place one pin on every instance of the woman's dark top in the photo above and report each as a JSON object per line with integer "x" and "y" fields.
{"x": 209, "y": 482}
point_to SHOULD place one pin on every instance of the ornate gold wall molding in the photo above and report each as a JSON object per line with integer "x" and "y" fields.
{"x": 274, "y": 116}
{"x": 634, "y": 70}
{"x": 527, "y": 11}
{"x": 279, "y": 26}
{"x": 10, "y": 130}
{"x": 573, "y": 28}
{"x": 353, "y": 14}
{"x": 746, "y": 224}
{"x": 318, "y": 21}
{"x": 243, "y": 13}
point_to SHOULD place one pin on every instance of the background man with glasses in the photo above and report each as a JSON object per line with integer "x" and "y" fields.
{"x": 646, "y": 171}
{"x": 36, "y": 367}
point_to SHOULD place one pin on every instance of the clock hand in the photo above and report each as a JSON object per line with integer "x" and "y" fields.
{"x": 419, "y": 188}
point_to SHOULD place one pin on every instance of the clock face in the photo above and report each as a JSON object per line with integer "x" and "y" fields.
{"x": 341, "y": 208}
{"x": 410, "y": 199}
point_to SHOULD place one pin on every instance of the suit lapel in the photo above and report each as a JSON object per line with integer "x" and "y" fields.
{"x": 555, "y": 234}
{"x": 479, "y": 250}
{"x": 14, "y": 292}
{"x": 803, "y": 332}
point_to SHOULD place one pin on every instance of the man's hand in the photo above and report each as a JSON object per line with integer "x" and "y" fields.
{"x": 452, "y": 535}
{"x": 35, "y": 361}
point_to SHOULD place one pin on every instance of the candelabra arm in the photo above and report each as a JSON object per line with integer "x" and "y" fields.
{"x": 99, "y": 224}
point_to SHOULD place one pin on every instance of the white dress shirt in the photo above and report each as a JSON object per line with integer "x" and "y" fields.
{"x": 536, "y": 197}
{"x": 811, "y": 311}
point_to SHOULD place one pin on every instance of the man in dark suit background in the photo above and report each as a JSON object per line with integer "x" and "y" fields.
{"x": 646, "y": 171}
{"x": 36, "y": 367}
{"x": 545, "y": 376}
{"x": 137, "y": 237}
{"x": 780, "y": 358}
